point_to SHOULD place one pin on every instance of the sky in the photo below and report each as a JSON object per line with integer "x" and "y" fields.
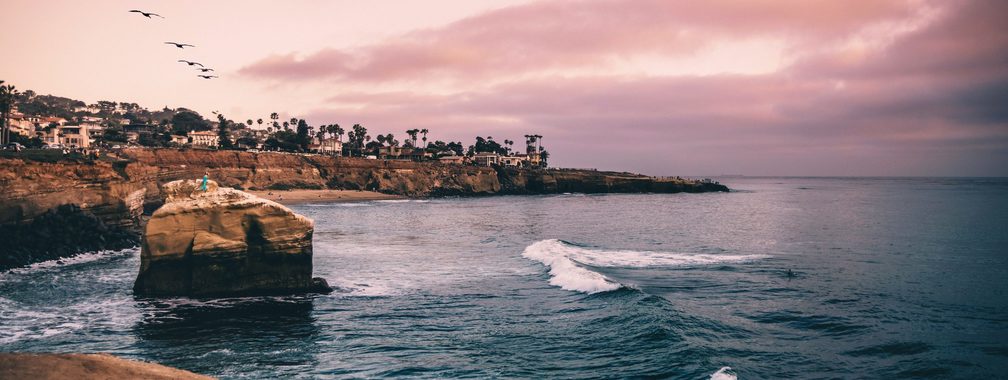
{"x": 662, "y": 87}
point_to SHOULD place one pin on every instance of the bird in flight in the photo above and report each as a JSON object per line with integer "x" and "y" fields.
{"x": 207, "y": 77}
{"x": 179, "y": 45}
{"x": 146, "y": 14}
{"x": 191, "y": 63}
{"x": 203, "y": 69}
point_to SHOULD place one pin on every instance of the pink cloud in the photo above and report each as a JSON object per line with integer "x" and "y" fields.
{"x": 565, "y": 34}
{"x": 930, "y": 102}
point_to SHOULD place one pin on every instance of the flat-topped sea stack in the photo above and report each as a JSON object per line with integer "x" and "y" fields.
{"x": 224, "y": 242}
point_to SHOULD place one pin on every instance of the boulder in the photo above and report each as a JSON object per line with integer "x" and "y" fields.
{"x": 224, "y": 242}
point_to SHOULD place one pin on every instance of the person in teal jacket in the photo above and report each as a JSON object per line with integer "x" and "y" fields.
{"x": 204, "y": 185}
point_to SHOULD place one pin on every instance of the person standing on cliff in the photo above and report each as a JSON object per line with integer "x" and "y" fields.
{"x": 206, "y": 176}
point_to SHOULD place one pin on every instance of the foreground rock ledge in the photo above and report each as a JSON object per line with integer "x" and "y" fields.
{"x": 224, "y": 242}
{"x": 85, "y": 367}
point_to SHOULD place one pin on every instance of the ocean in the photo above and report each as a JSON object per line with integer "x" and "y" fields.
{"x": 807, "y": 278}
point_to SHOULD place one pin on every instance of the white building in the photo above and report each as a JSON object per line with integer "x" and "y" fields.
{"x": 204, "y": 138}
{"x": 330, "y": 146}
{"x": 74, "y": 136}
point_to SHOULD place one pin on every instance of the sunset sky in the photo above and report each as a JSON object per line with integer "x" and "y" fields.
{"x": 754, "y": 87}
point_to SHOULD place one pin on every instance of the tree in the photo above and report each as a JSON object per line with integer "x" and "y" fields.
{"x": 359, "y": 132}
{"x": 488, "y": 145}
{"x": 424, "y": 133}
{"x": 283, "y": 140}
{"x": 303, "y": 135}
{"x": 248, "y": 123}
{"x": 7, "y": 98}
{"x": 114, "y": 134}
{"x": 259, "y": 121}
{"x": 413, "y": 136}
{"x": 222, "y": 132}
{"x": 187, "y": 121}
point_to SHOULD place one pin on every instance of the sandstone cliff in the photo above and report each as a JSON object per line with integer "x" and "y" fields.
{"x": 107, "y": 198}
{"x": 222, "y": 241}
{"x": 85, "y": 367}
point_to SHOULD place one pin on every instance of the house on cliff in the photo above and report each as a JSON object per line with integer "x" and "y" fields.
{"x": 486, "y": 159}
{"x": 204, "y": 138}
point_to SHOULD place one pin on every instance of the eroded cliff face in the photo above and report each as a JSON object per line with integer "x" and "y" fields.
{"x": 113, "y": 194}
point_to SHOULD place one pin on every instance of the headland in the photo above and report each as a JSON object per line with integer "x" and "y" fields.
{"x": 56, "y": 207}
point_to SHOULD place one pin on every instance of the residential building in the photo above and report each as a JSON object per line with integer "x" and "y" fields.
{"x": 204, "y": 138}
{"x": 513, "y": 161}
{"x": 180, "y": 140}
{"x": 21, "y": 124}
{"x": 49, "y": 120}
{"x": 487, "y": 159}
{"x": 74, "y": 136}
{"x": 453, "y": 159}
{"x": 330, "y": 146}
{"x": 389, "y": 152}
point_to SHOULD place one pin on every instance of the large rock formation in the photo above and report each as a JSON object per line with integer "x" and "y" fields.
{"x": 222, "y": 241}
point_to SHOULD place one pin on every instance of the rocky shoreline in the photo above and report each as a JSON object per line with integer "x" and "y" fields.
{"x": 51, "y": 210}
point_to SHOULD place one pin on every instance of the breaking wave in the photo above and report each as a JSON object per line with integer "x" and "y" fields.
{"x": 82, "y": 258}
{"x": 725, "y": 373}
{"x": 567, "y": 263}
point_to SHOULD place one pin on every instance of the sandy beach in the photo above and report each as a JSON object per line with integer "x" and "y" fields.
{"x": 303, "y": 196}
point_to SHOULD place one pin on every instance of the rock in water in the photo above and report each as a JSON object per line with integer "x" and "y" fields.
{"x": 224, "y": 242}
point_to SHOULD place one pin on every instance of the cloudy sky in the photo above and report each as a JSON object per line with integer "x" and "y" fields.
{"x": 754, "y": 87}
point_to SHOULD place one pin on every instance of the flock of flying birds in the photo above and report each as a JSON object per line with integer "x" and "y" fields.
{"x": 203, "y": 69}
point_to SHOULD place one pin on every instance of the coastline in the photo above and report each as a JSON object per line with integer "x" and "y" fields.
{"x": 289, "y": 197}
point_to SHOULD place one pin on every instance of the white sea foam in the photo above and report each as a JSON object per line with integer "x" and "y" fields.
{"x": 353, "y": 204}
{"x": 74, "y": 260}
{"x": 725, "y": 373}
{"x": 563, "y": 259}
{"x": 565, "y": 273}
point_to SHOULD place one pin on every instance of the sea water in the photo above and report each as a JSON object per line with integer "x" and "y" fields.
{"x": 782, "y": 278}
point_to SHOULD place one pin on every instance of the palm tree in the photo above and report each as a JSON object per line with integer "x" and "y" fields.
{"x": 286, "y": 126}
{"x": 424, "y": 133}
{"x": 7, "y": 97}
{"x": 339, "y": 134}
{"x": 248, "y": 123}
{"x": 293, "y": 121}
{"x": 260, "y": 121}
{"x": 412, "y": 134}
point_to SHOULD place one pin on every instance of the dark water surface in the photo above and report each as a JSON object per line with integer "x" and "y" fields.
{"x": 891, "y": 278}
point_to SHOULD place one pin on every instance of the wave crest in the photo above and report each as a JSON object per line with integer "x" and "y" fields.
{"x": 566, "y": 262}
